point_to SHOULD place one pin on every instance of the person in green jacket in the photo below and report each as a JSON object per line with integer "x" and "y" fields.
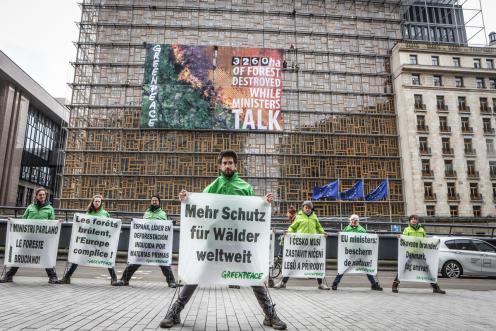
{"x": 40, "y": 209}
{"x": 306, "y": 221}
{"x": 354, "y": 226}
{"x": 227, "y": 183}
{"x": 95, "y": 208}
{"x": 414, "y": 229}
{"x": 154, "y": 212}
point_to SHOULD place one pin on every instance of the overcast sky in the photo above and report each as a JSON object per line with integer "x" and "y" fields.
{"x": 38, "y": 36}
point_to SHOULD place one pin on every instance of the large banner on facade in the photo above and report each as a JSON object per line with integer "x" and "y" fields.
{"x": 204, "y": 87}
{"x": 150, "y": 242}
{"x": 224, "y": 239}
{"x": 94, "y": 240}
{"x": 418, "y": 259}
{"x": 357, "y": 253}
{"x": 304, "y": 255}
{"x": 32, "y": 243}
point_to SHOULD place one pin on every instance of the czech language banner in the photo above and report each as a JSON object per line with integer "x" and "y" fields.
{"x": 32, "y": 243}
{"x": 150, "y": 242}
{"x": 304, "y": 255}
{"x": 94, "y": 240}
{"x": 418, "y": 259}
{"x": 357, "y": 253}
{"x": 204, "y": 87}
{"x": 225, "y": 239}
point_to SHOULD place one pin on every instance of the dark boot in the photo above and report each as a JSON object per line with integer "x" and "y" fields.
{"x": 395, "y": 286}
{"x": 271, "y": 319}
{"x": 113, "y": 276}
{"x": 8, "y": 277}
{"x": 52, "y": 276}
{"x": 169, "y": 276}
{"x": 172, "y": 317}
{"x": 376, "y": 287}
{"x": 65, "y": 280}
{"x": 127, "y": 274}
{"x": 334, "y": 286}
{"x": 437, "y": 289}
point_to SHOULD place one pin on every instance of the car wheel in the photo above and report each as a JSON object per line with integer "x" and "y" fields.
{"x": 452, "y": 269}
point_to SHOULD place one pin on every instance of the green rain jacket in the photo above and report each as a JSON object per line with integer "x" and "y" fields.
{"x": 99, "y": 213}
{"x": 410, "y": 231}
{"x": 158, "y": 214}
{"x": 306, "y": 224}
{"x": 229, "y": 186}
{"x": 358, "y": 229}
{"x": 33, "y": 212}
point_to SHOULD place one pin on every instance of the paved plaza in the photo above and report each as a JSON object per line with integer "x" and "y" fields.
{"x": 90, "y": 303}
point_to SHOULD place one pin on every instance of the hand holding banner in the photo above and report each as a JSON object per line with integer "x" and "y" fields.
{"x": 150, "y": 242}
{"x": 418, "y": 259}
{"x": 94, "y": 240}
{"x": 304, "y": 255}
{"x": 32, "y": 243}
{"x": 357, "y": 253}
{"x": 224, "y": 239}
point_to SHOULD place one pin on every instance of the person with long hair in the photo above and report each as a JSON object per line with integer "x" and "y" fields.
{"x": 95, "y": 208}
{"x": 40, "y": 209}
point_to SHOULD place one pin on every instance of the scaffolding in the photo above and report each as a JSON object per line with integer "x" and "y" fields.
{"x": 339, "y": 116}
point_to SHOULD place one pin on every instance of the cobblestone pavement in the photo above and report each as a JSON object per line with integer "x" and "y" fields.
{"x": 92, "y": 304}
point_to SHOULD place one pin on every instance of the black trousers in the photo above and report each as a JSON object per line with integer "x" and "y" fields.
{"x": 260, "y": 293}
{"x": 131, "y": 269}
{"x": 74, "y": 266}
{"x": 51, "y": 273}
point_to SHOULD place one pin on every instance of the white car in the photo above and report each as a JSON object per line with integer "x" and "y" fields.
{"x": 466, "y": 256}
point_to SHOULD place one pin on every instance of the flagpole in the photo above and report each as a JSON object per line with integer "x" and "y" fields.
{"x": 339, "y": 201}
{"x": 389, "y": 200}
{"x": 364, "y": 201}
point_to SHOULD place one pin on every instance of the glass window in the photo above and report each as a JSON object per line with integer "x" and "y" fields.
{"x": 476, "y": 210}
{"x": 462, "y": 103}
{"x": 479, "y": 82}
{"x": 458, "y": 81}
{"x": 440, "y": 101}
{"x": 484, "y": 246}
{"x": 492, "y": 83}
{"x": 474, "y": 189}
{"x": 456, "y": 62}
{"x": 426, "y": 167}
{"x": 490, "y": 147}
{"x": 451, "y": 189}
{"x": 413, "y": 59}
{"x": 477, "y": 63}
{"x": 435, "y": 60}
{"x": 431, "y": 210}
{"x": 424, "y": 147}
{"x": 428, "y": 190}
{"x": 418, "y": 101}
{"x": 437, "y": 80}
{"x": 490, "y": 63}
{"x": 451, "y": 244}
{"x": 465, "y": 124}
{"x": 420, "y": 122}
{"x": 454, "y": 211}
{"x": 443, "y": 123}
{"x": 416, "y": 79}
{"x": 471, "y": 167}
{"x": 492, "y": 168}
{"x": 486, "y": 125}
{"x": 446, "y": 145}
{"x": 466, "y": 245}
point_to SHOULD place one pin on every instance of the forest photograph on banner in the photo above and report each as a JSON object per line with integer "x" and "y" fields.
{"x": 212, "y": 87}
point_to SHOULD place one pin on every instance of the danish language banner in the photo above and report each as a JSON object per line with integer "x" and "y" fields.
{"x": 304, "y": 255}
{"x": 224, "y": 239}
{"x": 94, "y": 240}
{"x": 204, "y": 87}
{"x": 357, "y": 253}
{"x": 32, "y": 243}
{"x": 150, "y": 242}
{"x": 418, "y": 259}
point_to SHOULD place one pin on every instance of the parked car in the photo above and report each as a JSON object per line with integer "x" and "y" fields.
{"x": 466, "y": 256}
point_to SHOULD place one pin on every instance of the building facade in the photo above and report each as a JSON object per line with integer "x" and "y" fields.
{"x": 339, "y": 115}
{"x": 446, "y": 101}
{"x": 32, "y": 136}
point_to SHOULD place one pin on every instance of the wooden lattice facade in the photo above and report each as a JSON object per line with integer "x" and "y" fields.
{"x": 339, "y": 116}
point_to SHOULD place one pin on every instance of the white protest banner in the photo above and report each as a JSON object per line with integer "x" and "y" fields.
{"x": 304, "y": 255}
{"x": 94, "y": 240}
{"x": 224, "y": 239}
{"x": 418, "y": 259}
{"x": 357, "y": 253}
{"x": 32, "y": 243}
{"x": 150, "y": 242}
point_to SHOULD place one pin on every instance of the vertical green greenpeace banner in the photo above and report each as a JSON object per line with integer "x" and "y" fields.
{"x": 210, "y": 87}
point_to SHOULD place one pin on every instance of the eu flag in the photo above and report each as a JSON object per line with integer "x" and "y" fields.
{"x": 354, "y": 193}
{"x": 380, "y": 192}
{"x": 330, "y": 190}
